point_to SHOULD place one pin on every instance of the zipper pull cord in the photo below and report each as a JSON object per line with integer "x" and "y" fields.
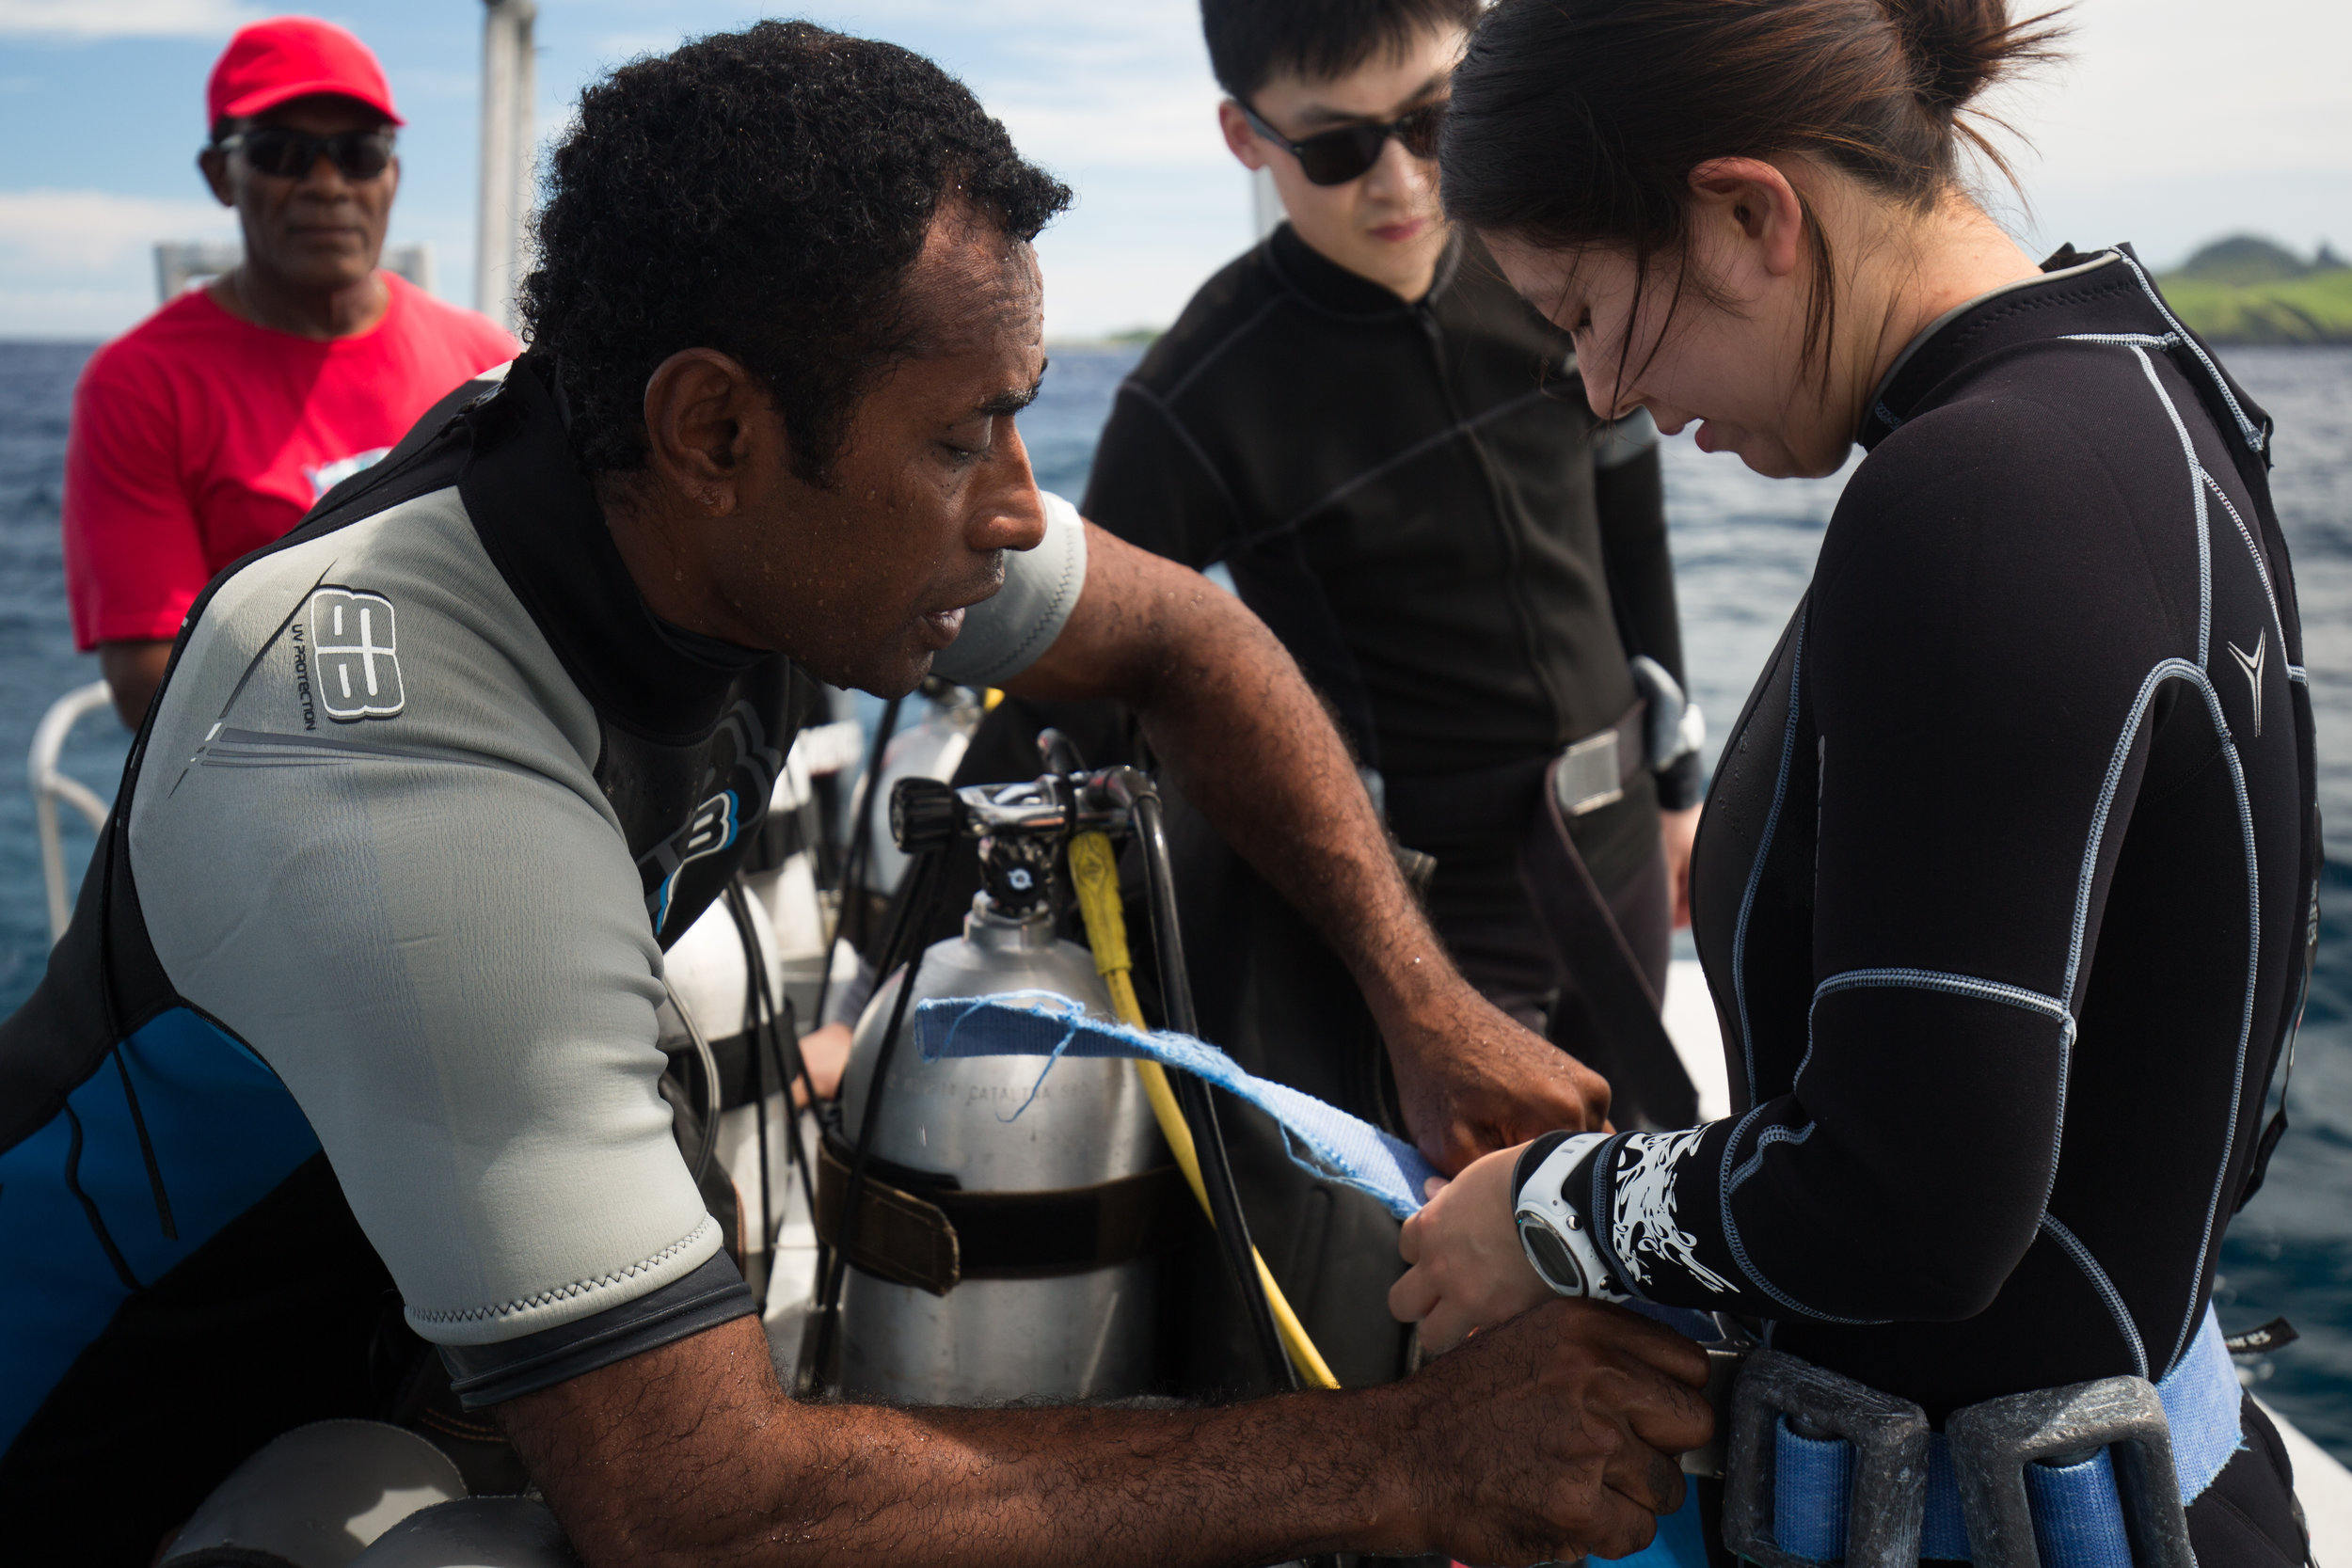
{"x": 147, "y": 1148}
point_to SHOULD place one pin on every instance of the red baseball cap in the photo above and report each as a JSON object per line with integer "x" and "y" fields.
{"x": 294, "y": 56}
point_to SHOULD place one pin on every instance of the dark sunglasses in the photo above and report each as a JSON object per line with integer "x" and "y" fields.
{"x": 1335, "y": 157}
{"x": 291, "y": 154}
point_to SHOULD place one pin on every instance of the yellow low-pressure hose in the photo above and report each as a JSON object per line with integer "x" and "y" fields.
{"x": 1095, "y": 872}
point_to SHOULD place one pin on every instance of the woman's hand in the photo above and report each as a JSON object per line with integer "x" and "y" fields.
{"x": 1468, "y": 1271}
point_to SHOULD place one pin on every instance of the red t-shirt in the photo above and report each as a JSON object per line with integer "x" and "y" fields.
{"x": 198, "y": 438}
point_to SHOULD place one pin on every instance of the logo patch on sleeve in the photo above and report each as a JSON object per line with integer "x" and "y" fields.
{"x": 712, "y": 827}
{"x": 354, "y": 662}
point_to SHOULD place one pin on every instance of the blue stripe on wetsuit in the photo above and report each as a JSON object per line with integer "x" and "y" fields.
{"x": 225, "y": 1132}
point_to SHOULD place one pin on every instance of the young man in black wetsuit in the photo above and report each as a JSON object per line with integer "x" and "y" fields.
{"x": 1391, "y": 453}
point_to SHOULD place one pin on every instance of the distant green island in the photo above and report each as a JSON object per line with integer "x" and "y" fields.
{"x": 2241, "y": 290}
{"x": 2247, "y": 290}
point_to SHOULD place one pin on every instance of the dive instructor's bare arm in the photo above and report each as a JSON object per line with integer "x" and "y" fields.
{"x": 1225, "y": 703}
{"x": 1538, "y": 1440}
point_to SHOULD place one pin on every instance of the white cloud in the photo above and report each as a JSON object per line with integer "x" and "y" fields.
{"x": 2167, "y": 89}
{"x": 89, "y": 231}
{"x": 115, "y": 18}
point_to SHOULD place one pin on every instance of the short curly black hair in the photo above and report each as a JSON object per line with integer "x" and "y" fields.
{"x": 760, "y": 193}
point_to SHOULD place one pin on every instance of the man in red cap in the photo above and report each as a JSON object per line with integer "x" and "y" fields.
{"x": 210, "y": 428}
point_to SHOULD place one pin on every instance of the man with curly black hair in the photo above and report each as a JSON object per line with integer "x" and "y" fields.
{"x": 375, "y": 943}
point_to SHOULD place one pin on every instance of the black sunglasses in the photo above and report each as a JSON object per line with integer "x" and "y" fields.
{"x": 1335, "y": 157}
{"x": 291, "y": 154}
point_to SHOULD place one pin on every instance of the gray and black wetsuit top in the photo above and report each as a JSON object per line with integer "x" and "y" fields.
{"x": 358, "y": 998}
{"x": 2007, "y": 875}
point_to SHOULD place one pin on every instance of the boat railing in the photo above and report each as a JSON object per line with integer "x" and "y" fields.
{"x": 52, "y": 784}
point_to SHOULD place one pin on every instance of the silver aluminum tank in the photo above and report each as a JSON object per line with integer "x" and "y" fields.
{"x": 1082, "y": 1336}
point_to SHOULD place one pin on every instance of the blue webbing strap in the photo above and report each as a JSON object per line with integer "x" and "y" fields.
{"x": 1680, "y": 1540}
{"x": 1322, "y": 1140}
{"x": 2077, "y": 1518}
{"x": 2077, "y": 1515}
{"x": 1811, "y": 1480}
{"x": 1945, "y": 1536}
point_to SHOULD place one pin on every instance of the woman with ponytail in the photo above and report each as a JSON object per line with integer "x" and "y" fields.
{"x": 2005, "y": 882}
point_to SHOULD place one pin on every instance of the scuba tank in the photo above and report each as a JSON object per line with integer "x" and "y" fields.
{"x": 957, "y": 1181}
{"x": 978, "y": 1128}
{"x": 932, "y": 747}
{"x": 1009, "y": 1221}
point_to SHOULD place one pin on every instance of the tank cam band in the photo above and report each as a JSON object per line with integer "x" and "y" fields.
{"x": 921, "y": 1229}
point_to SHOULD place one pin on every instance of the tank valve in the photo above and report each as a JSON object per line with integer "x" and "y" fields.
{"x": 925, "y": 813}
{"x": 1017, "y": 871}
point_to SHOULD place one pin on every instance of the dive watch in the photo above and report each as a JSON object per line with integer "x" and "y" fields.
{"x": 1554, "y": 1230}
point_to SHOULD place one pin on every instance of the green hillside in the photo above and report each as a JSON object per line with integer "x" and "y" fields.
{"x": 2246, "y": 289}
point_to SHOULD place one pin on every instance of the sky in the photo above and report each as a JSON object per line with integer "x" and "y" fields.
{"x": 2175, "y": 121}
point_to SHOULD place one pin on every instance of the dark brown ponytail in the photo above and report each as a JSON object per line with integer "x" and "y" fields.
{"x": 1577, "y": 122}
{"x": 1955, "y": 49}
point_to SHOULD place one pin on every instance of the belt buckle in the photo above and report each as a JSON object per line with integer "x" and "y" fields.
{"x": 1993, "y": 1443}
{"x": 1587, "y": 777}
{"x": 1723, "y": 1361}
{"x": 1887, "y": 1510}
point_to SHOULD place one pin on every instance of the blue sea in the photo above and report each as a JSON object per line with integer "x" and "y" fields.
{"x": 1743, "y": 550}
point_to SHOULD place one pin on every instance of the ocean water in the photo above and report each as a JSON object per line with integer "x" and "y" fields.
{"x": 1743, "y": 550}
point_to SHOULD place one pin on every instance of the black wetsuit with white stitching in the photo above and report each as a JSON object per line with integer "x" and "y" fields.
{"x": 2005, "y": 876}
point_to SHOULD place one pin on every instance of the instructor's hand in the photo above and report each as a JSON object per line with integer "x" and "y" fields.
{"x": 1677, "y": 831}
{"x": 1468, "y": 1271}
{"x": 1472, "y": 1081}
{"x": 1552, "y": 1437}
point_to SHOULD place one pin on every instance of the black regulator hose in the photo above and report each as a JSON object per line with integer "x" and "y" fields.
{"x": 1192, "y": 1094}
{"x": 855, "y": 863}
{"x": 924, "y": 880}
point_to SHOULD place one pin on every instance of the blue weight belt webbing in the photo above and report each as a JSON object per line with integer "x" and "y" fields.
{"x": 2077, "y": 1515}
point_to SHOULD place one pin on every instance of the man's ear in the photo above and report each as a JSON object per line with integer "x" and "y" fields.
{"x": 1239, "y": 139}
{"x": 214, "y": 165}
{"x": 705, "y": 416}
{"x": 1758, "y": 199}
